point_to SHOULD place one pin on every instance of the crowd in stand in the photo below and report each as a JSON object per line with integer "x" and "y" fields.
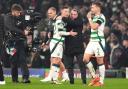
{"x": 116, "y": 30}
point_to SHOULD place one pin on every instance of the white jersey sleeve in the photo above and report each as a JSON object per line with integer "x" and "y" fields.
{"x": 60, "y": 28}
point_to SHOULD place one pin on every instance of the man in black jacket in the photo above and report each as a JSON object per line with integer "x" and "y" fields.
{"x": 74, "y": 46}
{"x": 16, "y": 43}
{"x": 2, "y": 82}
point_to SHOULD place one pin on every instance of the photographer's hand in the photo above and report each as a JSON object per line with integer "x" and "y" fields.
{"x": 26, "y": 32}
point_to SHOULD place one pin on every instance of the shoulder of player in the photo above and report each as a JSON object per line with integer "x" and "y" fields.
{"x": 101, "y": 18}
{"x": 59, "y": 18}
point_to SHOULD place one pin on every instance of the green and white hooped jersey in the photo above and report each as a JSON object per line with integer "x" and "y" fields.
{"x": 59, "y": 31}
{"x": 96, "y": 34}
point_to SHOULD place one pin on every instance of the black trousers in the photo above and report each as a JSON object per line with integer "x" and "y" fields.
{"x": 19, "y": 60}
{"x": 69, "y": 64}
{"x": 1, "y": 70}
{"x": 1, "y": 73}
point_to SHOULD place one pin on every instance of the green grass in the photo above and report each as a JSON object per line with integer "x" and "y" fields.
{"x": 110, "y": 83}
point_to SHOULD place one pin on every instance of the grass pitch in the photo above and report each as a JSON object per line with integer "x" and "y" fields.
{"x": 110, "y": 83}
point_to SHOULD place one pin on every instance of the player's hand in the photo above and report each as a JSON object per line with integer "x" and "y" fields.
{"x": 59, "y": 18}
{"x": 89, "y": 15}
{"x": 73, "y": 33}
{"x": 49, "y": 34}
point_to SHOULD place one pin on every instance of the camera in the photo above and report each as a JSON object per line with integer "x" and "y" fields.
{"x": 28, "y": 20}
{"x": 31, "y": 19}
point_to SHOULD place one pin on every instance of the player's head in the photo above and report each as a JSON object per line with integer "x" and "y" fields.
{"x": 96, "y": 7}
{"x": 51, "y": 13}
{"x": 65, "y": 11}
{"x": 16, "y": 10}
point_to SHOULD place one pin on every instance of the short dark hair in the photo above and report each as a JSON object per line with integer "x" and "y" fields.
{"x": 75, "y": 9}
{"x": 52, "y": 8}
{"x": 65, "y": 7}
{"x": 16, "y": 7}
{"x": 99, "y": 4}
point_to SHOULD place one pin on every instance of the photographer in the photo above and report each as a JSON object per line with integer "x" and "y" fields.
{"x": 16, "y": 41}
{"x": 2, "y": 82}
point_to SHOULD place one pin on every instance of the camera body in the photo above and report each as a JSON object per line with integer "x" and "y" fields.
{"x": 28, "y": 20}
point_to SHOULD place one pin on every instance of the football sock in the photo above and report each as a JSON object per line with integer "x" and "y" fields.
{"x": 55, "y": 68}
{"x": 65, "y": 75}
{"x": 91, "y": 69}
{"x": 102, "y": 73}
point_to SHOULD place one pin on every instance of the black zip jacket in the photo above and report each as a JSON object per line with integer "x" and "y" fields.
{"x": 74, "y": 44}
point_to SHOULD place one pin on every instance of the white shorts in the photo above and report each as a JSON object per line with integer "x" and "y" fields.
{"x": 95, "y": 48}
{"x": 58, "y": 52}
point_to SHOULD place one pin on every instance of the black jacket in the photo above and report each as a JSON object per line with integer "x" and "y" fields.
{"x": 74, "y": 45}
{"x": 1, "y": 29}
{"x": 123, "y": 62}
{"x": 10, "y": 25}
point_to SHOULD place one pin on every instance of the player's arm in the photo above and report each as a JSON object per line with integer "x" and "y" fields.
{"x": 62, "y": 30}
{"x": 68, "y": 33}
{"x": 94, "y": 25}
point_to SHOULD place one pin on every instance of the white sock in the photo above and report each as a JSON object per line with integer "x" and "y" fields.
{"x": 91, "y": 69}
{"x": 102, "y": 73}
{"x": 65, "y": 75}
{"x": 50, "y": 74}
{"x": 55, "y": 72}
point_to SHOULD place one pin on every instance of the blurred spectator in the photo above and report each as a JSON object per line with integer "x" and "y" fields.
{"x": 25, "y": 4}
{"x": 124, "y": 56}
{"x": 2, "y": 82}
{"x": 44, "y": 7}
{"x": 115, "y": 55}
{"x": 111, "y": 37}
{"x": 125, "y": 40}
